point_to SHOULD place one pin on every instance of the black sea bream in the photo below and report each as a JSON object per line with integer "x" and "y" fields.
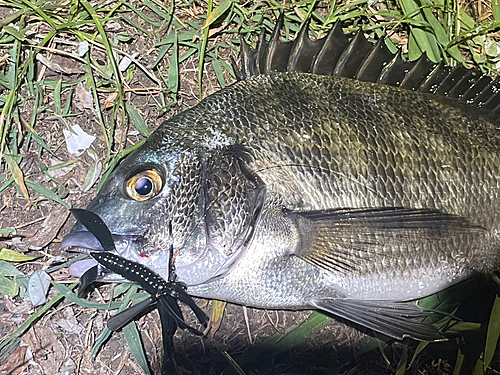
{"x": 332, "y": 176}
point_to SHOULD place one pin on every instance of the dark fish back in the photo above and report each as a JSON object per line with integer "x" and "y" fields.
{"x": 337, "y": 55}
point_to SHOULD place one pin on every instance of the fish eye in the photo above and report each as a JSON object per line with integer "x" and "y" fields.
{"x": 144, "y": 185}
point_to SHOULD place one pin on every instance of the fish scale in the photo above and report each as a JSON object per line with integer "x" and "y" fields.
{"x": 294, "y": 190}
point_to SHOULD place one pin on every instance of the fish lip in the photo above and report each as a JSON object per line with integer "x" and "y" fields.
{"x": 85, "y": 242}
{"x": 81, "y": 242}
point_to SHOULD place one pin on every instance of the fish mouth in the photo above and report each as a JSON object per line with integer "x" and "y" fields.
{"x": 84, "y": 242}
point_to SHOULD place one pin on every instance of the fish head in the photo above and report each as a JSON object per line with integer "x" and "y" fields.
{"x": 196, "y": 201}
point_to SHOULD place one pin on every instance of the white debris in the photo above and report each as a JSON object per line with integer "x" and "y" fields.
{"x": 77, "y": 141}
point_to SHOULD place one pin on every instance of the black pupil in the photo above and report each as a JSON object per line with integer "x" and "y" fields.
{"x": 143, "y": 186}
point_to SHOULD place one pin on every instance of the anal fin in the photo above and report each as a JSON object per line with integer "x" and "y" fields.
{"x": 398, "y": 320}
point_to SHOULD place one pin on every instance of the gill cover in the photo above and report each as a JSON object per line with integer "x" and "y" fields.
{"x": 231, "y": 201}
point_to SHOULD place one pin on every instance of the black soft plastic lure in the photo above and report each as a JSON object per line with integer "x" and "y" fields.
{"x": 165, "y": 294}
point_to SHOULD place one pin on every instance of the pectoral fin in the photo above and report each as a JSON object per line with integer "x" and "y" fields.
{"x": 346, "y": 239}
{"x": 394, "y": 319}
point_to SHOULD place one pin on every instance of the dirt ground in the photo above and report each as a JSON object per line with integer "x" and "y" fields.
{"x": 61, "y": 340}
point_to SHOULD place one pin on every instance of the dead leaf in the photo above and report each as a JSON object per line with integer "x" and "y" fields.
{"x": 83, "y": 98}
{"x": 48, "y": 351}
{"x": 60, "y": 172}
{"x": 110, "y": 100}
{"x": 15, "y": 362}
{"x": 69, "y": 324}
{"x": 50, "y": 227}
{"x": 60, "y": 64}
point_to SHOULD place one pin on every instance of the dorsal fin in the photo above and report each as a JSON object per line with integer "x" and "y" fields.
{"x": 338, "y": 55}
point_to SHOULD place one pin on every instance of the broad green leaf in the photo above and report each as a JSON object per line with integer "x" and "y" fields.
{"x": 38, "y": 287}
{"x": 7, "y": 269}
{"x": 137, "y": 120}
{"x": 217, "y": 12}
{"x": 421, "y": 346}
{"x": 14, "y": 32}
{"x": 401, "y": 369}
{"x": 458, "y": 363}
{"x": 479, "y": 367}
{"x": 462, "y": 327}
{"x": 439, "y": 31}
{"x": 8, "y": 287}
{"x": 466, "y": 22}
{"x": 14, "y": 256}
{"x": 425, "y": 40}
{"x": 120, "y": 289}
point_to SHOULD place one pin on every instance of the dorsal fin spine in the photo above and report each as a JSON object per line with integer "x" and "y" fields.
{"x": 357, "y": 58}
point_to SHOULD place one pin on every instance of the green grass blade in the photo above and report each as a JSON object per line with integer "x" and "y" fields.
{"x": 217, "y": 12}
{"x": 495, "y": 7}
{"x": 41, "y": 13}
{"x": 135, "y": 344}
{"x": 424, "y": 40}
{"x": 109, "y": 52}
{"x": 104, "y": 336}
{"x": 458, "y": 363}
{"x": 49, "y": 194}
{"x": 493, "y": 333}
{"x": 401, "y": 369}
{"x": 202, "y": 50}
{"x": 218, "y": 72}
{"x": 70, "y": 296}
{"x": 173, "y": 69}
{"x": 115, "y": 162}
{"x": 421, "y": 346}
{"x": 107, "y": 332}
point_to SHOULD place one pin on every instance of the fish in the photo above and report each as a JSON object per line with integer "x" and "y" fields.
{"x": 333, "y": 175}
